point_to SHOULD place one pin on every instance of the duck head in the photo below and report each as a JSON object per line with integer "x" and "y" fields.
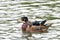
{"x": 24, "y": 19}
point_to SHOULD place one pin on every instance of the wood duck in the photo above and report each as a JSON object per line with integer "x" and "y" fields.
{"x": 37, "y": 26}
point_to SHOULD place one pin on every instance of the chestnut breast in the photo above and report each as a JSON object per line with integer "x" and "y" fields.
{"x": 24, "y": 26}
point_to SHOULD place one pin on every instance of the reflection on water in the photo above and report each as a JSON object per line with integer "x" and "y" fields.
{"x": 12, "y": 10}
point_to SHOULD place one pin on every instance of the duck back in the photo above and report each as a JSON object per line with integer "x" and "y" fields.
{"x": 36, "y": 23}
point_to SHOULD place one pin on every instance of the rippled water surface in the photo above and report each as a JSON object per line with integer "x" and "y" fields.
{"x": 12, "y": 10}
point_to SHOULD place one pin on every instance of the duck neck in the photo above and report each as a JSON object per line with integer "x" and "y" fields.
{"x": 25, "y": 21}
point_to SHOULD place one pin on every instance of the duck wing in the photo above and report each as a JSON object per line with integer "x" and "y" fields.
{"x": 36, "y": 23}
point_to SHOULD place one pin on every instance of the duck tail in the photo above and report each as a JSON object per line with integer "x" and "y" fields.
{"x": 43, "y": 22}
{"x": 49, "y": 25}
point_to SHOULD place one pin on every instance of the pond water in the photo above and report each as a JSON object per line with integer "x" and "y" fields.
{"x": 12, "y": 10}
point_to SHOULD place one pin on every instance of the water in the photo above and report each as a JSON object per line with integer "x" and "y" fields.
{"x": 12, "y": 10}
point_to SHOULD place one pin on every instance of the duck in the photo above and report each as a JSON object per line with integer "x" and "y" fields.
{"x": 36, "y": 26}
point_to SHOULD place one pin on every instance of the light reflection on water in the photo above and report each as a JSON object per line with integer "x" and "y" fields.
{"x": 11, "y": 11}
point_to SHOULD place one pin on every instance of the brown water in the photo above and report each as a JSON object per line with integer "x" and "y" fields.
{"x": 12, "y": 10}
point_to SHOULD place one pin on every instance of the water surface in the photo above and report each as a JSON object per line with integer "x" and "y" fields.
{"x": 12, "y": 10}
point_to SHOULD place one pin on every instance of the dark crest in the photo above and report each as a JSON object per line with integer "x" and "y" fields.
{"x": 24, "y": 18}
